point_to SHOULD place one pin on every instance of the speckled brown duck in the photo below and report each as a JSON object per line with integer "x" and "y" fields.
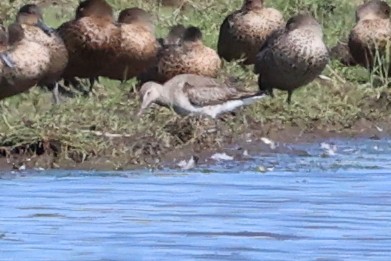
{"x": 371, "y": 33}
{"x": 173, "y": 39}
{"x": 191, "y": 56}
{"x": 23, "y": 62}
{"x": 292, "y": 57}
{"x": 138, "y": 45}
{"x": 91, "y": 39}
{"x": 245, "y": 30}
{"x": 30, "y": 18}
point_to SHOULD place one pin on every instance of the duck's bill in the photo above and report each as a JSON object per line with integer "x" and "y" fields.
{"x": 7, "y": 60}
{"x": 46, "y": 29}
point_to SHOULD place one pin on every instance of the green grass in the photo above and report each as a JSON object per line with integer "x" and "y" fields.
{"x": 77, "y": 124}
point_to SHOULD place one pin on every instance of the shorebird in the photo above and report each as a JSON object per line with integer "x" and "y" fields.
{"x": 138, "y": 45}
{"x": 191, "y": 56}
{"x": 30, "y": 18}
{"x": 292, "y": 57}
{"x": 371, "y": 34}
{"x": 189, "y": 94}
{"x": 245, "y": 30}
{"x": 24, "y": 62}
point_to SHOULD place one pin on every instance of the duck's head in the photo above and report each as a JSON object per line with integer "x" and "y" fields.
{"x": 136, "y": 16}
{"x": 175, "y": 35}
{"x": 149, "y": 93}
{"x": 31, "y": 14}
{"x": 94, "y": 8}
{"x": 374, "y": 9}
{"x": 15, "y": 33}
{"x": 192, "y": 34}
{"x": 249, "y": 5}
{"x": 304, "y": 21}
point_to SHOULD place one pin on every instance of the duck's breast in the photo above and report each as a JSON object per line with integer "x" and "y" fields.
{"x": 32, "y": 61}
{"x": 56, "y": 47}
{"x": 293, "y": 60}
{"x": 90, "y": 34}
{"x": 202, "y": 60}
{"x": 255, "y": 27}
{"x": 367, "y": 37}
{"x": 138, "y": 42}
{"x": 91, "y": 44}
{"x": 248, "y": 32}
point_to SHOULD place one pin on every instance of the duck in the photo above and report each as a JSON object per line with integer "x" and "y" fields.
{"x": 292, "y": 57}
{"x": 174, "y": 36}
{"x": 371, "y": 33}
{"x": 24, "y": 62}
{"x": 245, "y": 30}
{"x": 30, "y": 18}
{"x": 173, "y": 39}
{"x": 191, "y": 56}
{"x": 91, "y": 38}
{"x": 138, "y": 45}
{"x": 341, "y": 52}
{"x": 191, "y": 94}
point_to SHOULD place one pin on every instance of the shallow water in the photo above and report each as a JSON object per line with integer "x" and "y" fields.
{"x": 322, "y": 206}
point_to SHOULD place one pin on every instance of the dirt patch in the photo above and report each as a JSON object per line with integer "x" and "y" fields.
{"x": 191, "y": 140}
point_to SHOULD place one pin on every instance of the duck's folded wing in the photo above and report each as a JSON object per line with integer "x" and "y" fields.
{"x": 225, "y": 48}
{"x": 265, "y": 47}
{"x": 207, "y": 95}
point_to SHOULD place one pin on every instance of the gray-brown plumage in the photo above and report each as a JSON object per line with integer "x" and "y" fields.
{"x": 138, "y": 45}
{"x": 194, "y": 94}
{"x": 28, "y": 62}
{"x": 91, "y": 39}
{"x": 30, "y": 18}
{"x": 190, "y": 57}
{"x": 371, "y": 34}
{"x": 292, "y": 57}
{"x": 244, "y": 31}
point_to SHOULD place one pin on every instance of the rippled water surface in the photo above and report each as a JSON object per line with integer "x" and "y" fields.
{"x": 321, "y": 206}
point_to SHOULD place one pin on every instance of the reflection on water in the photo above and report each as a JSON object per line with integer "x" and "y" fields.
{"x": 313, "y": 207}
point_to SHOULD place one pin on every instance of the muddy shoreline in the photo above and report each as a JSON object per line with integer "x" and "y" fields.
{"x": 238, "y": 146}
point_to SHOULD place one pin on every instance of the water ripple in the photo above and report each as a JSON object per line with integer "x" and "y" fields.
{"x": 311, "y": 207}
